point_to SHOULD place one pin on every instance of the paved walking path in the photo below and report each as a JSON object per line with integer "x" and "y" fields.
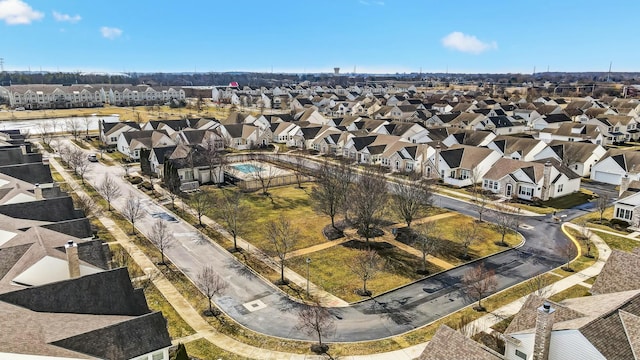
{"x": 632, "y": 236}
{"x": 484, "y": 323}
{"x": 387, "y": 237}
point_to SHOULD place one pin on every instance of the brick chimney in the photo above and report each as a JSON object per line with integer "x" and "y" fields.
{"x": 546, "y": 181}
{"x": 624, "y": 184}
{"x": 37, "y": 191}
{"x": 544, "y": 325}
{"x": 73, "y": 259}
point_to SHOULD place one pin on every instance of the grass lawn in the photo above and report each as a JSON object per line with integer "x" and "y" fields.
{"x": 569, "y": 201}
{"x": 329, "y": 269}
{"x": 582, "y": 262}
{"x": 203, "y": 349}
{"x": 175, "y": 324}
{"x": 618, "y": 242}
{"x": 482, "y": 247}
{"x": 288, "y": 202}
{"x": 593, "y": 220}
{"x": 570, "y": 293}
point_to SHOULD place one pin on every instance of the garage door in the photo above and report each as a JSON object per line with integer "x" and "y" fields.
{"x": 606, "y": 177}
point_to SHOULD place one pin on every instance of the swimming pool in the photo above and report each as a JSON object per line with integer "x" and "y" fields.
{"x": 247, "y": 168}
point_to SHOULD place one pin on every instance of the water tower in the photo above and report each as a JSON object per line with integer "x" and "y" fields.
{"x": 336, "y": 71}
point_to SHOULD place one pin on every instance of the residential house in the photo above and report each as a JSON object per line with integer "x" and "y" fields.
{"x": 326, "y": 141}
{"x": 411, "y": 158}
{"x": 130, "y": 143}
{"x": 591, "y": 327}
{"x": 468, "y": 137}
{"x": 525, "y": 149}
{"x": 619, "y": 273}
{"x": 575, "y": 132}
{"x": 110, "y": 132}
{"x": 614, "y": 165}
{"x": 448, "y": 344}
{"x": 549, "y": 121}
{"x": 410, "y": 131}
{"x": 462, "y": 165}
{"x": 193, "y": 164}
{"x": 578, "y": 156}
{"x": 286, "y": 133}
{"x": 501, "y": 125}
{"x": 243, "y": 136}
{"x": 526, "y": 180}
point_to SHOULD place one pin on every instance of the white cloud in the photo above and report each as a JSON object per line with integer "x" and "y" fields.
{"x": 66, "y": 17}
{"x": 467, "y": 43}
{"x": 110, "y": 32}
{"x": 17, "y": 12}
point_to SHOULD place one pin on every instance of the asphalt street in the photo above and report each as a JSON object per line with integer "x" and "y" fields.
{"x": 258, "y": 305}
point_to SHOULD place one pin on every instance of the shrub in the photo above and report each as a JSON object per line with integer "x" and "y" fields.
{"x": 135, "y": 180}
{"x": 619, "y": 224}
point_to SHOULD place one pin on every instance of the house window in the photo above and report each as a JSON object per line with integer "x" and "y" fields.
{"x": 157, "y": 356}
{"x": 113, "y": 138}
{"x": 560, "y": 187}
{"x": 465, "y": 174}
{"x": 491, "y": 185}
{"x": 624, "y": 213}
{"x": 521, "y": 355}
{"x": 525, "y": 191}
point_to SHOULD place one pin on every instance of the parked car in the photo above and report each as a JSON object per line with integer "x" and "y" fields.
{"x": 92, "y": 158}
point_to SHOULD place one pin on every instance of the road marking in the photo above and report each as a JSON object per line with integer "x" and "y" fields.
{"x": 254, "y": 305}
{"x": 526, "y": 227}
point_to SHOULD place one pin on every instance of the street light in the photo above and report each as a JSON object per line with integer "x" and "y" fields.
{"x": 308, "y": 263}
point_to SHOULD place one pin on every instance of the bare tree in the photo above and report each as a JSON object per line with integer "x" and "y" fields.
{"x": 78, "y": 161}
{"x": 86, "y": 204}
{"x": 299, "y": 169}
{"x": 411, "y": 201}
{"x": 87, "y": 121}
{"x": 211, "y": 284}
{"x": 202, "y": 202}
{"x": 467, "y": 235}
{"x": 281, "y": 235}
{"x": 602, "y": 203}
{"x": 503, "y": 222}
{"x": 73, "y": 127}
{"x": 539, "y": 285}
{"x": 133, "y": 211}
{"x": 263, "y": 174}
{"x": 213, "y": 156}
{"x": 45, "y": 130}
{"x": 478, "y": 282}
{"x": 367, "y": 201}
{"x": 65, "y": 155}
{"x": 425, "y": 239}
{"x": 234, "y": 213}
{"x": 161, "y": 238}
{"x": 366, "y": 265}
{"x": 571, "y": 153}
{"x": 568, "y": 252}
{"x": 109, "y": 190}
{"x": 316, "y": 320}
{"x": 480, "y": 198}
{"x": 328, "y": 195}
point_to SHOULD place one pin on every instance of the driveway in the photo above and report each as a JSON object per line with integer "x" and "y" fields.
{"x": 258, "y": 305}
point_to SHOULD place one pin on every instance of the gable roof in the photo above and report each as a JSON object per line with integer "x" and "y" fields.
{"x": 448, "y": 344}
{"x": 463, "y": 156}
{"x": 620, "y": 273}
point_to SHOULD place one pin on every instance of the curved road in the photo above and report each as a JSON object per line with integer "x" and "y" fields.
{"x": 261, "y": 307}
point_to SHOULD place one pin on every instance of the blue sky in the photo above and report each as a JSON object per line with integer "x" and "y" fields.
{"x": 314, "y": 36}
